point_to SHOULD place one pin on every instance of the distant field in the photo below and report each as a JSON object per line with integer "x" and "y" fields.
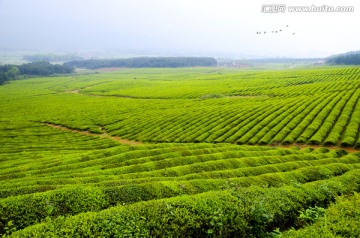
{"x": 166, "y": 153}
{"x": 318, "y": 107}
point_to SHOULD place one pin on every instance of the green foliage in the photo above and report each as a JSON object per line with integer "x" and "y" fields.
{"x": 351, "y": 58}
{"x": 13, "y": 72}
{"x": 312, "y": 214}
{"x": 42, "y": 68}
{"x": 26, "y": 210}
{"x": 9, "y": 228}
{"x": 341, "y": 219}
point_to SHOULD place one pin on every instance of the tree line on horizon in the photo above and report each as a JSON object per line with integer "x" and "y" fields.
{"x": 352, "y": 58}
{"x": 145, "y": 62}
{"x": 42, "y": 68}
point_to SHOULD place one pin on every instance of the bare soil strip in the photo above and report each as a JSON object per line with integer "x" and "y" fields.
{"x": 100, "y": 70}
{"x": 103, "y": 135}
{"x": 77, "y": 91}
{"x": 135, "y": 143}
{"x": 239, "y": 96}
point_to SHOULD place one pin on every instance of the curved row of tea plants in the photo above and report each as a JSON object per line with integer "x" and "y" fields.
{"x": 241, "y": 212}
{"x": 102, "y": 178}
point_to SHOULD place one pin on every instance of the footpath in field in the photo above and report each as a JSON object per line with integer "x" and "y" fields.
{"x": 134, "y": 143}
{"x": 103, "y": 135}
{"x": 313, "y": 106}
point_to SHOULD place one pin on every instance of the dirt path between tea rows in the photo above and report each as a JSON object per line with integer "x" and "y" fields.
{"x": 135, "y": 143}
{"x": 103, "y": 135}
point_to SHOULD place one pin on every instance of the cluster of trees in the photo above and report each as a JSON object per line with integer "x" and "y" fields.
{"x": 51, "y": 58}
{"x": 145, "y": 62}
{"x": 351, "y": 58}
{"x": 9, "y": 72}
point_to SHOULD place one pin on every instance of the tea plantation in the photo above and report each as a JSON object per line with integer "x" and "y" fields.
{"x": 188, "y": 152}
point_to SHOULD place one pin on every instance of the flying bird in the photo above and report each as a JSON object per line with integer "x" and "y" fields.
{"x": 278, "y": 31}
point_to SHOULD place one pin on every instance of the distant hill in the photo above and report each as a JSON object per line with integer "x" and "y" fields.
{"x": 348, "y": 58}
{"x": 51, "y": 58}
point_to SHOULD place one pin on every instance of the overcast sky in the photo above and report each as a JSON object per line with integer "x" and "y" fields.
{"x": 190, "y": 26}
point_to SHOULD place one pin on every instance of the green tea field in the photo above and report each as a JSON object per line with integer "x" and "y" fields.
{"x": 186, "y": 152}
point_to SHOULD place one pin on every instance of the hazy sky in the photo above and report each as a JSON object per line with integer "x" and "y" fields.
{"x": 189, "y": 26}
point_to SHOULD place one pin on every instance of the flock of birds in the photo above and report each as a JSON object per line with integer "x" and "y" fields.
{"x": 277, "y": 31}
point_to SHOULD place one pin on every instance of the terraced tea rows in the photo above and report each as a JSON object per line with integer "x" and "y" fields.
{"x": 176, "y": 152}
{"x": 123, "y": 175}
{"x": 305, "y": 106}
